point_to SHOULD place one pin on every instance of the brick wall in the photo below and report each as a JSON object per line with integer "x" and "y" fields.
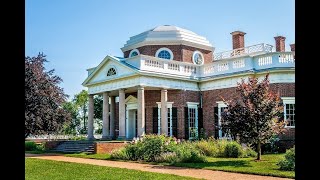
{"x": 180, "y": 52}
{"x": 211, "y": 97}
{"x": 107, "y": 147}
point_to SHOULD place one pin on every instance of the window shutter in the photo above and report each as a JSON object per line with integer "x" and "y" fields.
{"x": 186, "y": 124}
{"x": 200, "y": 120}
{"x": 155, "y": 120}
{"x": 215, "y": 117}
{"x": 174, "y": 121}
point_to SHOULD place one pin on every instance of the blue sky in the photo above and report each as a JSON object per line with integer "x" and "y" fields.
{"x": 78, "y": 34}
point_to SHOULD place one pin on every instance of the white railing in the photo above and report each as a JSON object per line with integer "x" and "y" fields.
{"x": 243, "y": 51}
{"x": 220, "y": 67}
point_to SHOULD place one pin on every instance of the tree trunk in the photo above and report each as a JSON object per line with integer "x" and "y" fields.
{"x": 259, "y": 151}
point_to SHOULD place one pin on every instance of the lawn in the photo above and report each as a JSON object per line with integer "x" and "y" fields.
{"x": 47, "y": 169}
{"x": 242, "y": 165}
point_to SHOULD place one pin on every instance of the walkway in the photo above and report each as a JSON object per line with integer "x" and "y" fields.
{"x": 180, "y": 171}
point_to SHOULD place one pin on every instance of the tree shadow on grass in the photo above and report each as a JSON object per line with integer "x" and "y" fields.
{"x": 235, "y": 164}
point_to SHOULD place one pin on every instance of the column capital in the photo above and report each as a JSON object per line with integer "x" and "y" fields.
{"x": 90, "y": 95}
{"x": 164, "y": 90}
{"x": 122, "y": 90}
{"x": 106, "y": 92}
{"x": 140, "y": 87}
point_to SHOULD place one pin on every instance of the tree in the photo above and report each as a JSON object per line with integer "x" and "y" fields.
{"x": 255, "y": 116}
{"x": 43, "y": 98}
{"x": 71, "y": 126}
{"x": 81, "y": 101}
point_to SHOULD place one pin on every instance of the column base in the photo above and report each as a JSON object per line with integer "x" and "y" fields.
{"x": 91, "y": 138}
{"x": 121, "y": 138}
{"x": 106, "y": 138}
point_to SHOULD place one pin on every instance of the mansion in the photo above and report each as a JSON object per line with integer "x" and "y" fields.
{"x": 171, "y": 81}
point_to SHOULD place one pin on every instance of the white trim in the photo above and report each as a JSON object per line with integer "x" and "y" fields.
{"x": 194, "y": 53}
{"x": 169, "y": 104}
{"x": 166, "y": 49}
{"x": 192, "y": 104}
{"x": 108, "y": 68}
{"x": 287, "y": 100}
{"x": 134, "y": 50}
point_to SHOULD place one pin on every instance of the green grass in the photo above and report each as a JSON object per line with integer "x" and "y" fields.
{"x": 266, "y": 167}
{"x": 47, "y": 169}
{"x": 90, "y": 156}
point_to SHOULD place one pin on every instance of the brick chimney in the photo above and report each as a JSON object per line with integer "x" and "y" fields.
{"x": 293, "y": 47}
{"x": 237, "y": 39}
{"x": 280, "y": 43}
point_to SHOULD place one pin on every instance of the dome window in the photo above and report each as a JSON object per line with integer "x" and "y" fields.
{"x": 134, "y": 52}
{"x": 197, "y": 58}
{"x": 164, "y": 53}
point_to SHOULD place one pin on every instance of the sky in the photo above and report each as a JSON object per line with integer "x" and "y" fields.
{"x": 77, "y": 34}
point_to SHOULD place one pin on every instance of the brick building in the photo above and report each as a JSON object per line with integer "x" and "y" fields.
{"x": 170, "y": 81}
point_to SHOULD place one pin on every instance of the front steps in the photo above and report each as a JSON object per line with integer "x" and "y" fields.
{"x": 76, "y": 147}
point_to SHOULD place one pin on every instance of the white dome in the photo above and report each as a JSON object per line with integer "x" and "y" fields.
{"x": 167, "y": 35}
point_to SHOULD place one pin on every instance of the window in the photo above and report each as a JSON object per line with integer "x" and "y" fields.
{"x": 197, "y": 58}
{"x": 193, "y": 119}
{"x": 289, "y": 111}
{"x": 164, "y": 53}
{"x": 111, "y": 72}
{"x": 134, "y": 52}
{"x": 170, "y": 130}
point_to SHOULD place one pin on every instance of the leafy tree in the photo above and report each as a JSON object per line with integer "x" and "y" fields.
{"x": 98, "y": 103}
{"x": 71, "y": 127}
{"x": 254, "y": 116}
{"x": 43, "y": 98}
{"x": 81, "y": 101}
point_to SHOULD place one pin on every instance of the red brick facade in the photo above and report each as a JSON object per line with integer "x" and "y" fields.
{"x": 107, "y": 147}
{"x": 280, "y": 43}
{"x": 211, "y": 97}
{"x": 181, "y": 97}
{"x": 180, "y": 52}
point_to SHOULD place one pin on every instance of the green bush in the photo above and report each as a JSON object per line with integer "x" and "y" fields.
{"x": 248, "y": 152}
{"x": 207, "y": 148}
{"x": 233, "y": 150}
{"x": 78, "y": 138}
{"x": 288, "y": 164}
{"x": 120, "y": 154}
{"x": 221, "y": 146}
{"x": 169, "y": 157}
{"x": 188, "y": 153}
{"x": 32, "y": 146}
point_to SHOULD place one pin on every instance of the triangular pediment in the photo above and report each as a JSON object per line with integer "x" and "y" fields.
{"x": 100, "y": 73}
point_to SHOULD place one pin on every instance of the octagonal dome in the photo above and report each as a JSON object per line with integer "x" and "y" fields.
{"x": 167, "y": 35}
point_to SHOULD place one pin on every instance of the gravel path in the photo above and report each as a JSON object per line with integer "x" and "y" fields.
{"x": 180, "y": 171}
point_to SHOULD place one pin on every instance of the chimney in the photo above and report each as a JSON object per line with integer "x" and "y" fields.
{"x": 280, "y": 43}
{"x": 237, "y": 39}
{"x": 293, "y": 47}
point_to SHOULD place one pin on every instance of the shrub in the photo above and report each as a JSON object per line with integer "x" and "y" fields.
{"x": 272, "y": 146}
{"x": 187, "y": 153}
{"x": 169, "y": 157}
{"x": 221, "y": 146}
{"x": 78, "y": 138}
{"x": 153, "y": 145}
{"x": 248, "y": 152}
{"x": 207, "y": 148}
{"x": 119, "y": 154}
{"x": 32, "y": 146}
{"x": 288, "y": 164}
{"x": 233, "y": 150}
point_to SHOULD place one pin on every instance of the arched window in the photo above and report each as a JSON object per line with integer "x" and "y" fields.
{"x": 134, "y": 52}
{"x": 164, "y": 53}
{"x": 197, "y": 58}
{"x": 111, "y": 72}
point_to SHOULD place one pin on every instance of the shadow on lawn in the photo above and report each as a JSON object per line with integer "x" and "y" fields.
{"x": 240, "y": 163}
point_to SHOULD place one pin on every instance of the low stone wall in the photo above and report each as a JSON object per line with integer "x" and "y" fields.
{"x": 107, "y": 147}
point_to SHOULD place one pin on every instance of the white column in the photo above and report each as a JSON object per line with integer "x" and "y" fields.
{"x": 105, "y": 117}
{"x": 164, "y": 112}
{"x": 112, "y": 115}
{"x": 122, "y": 115}
{"x": 141, "y": 112}
{"x": 90, "y": 118}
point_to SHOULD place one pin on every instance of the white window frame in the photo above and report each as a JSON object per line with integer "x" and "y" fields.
{"x": 221, "y": 104}
{"x": 193, "y": 56}
{"x": 110, "y": 67}
{"x": 169, "y": 106}
{"x": 132, "y": 51}
{"x": 287, "y": 100}
{"x": 167, "y": 49}
{"x": 193, "y": 105}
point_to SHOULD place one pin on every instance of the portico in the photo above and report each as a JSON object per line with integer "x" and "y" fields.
{"x": 131, "y": 112}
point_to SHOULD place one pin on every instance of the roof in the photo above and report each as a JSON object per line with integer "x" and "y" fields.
{"x": 167, "y": 34}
